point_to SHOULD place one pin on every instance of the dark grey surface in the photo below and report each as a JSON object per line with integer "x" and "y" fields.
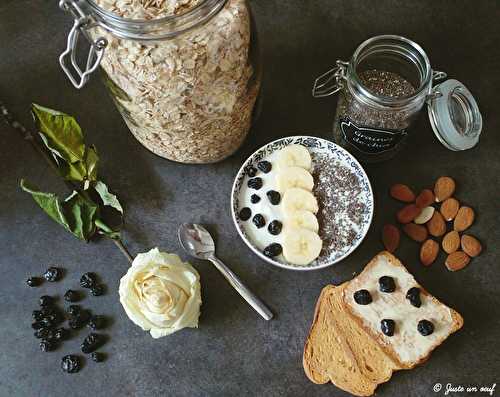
{"x": 234, "y": 352}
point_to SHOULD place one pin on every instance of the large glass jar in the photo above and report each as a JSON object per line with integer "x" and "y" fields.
{"x": 186, "y": 84}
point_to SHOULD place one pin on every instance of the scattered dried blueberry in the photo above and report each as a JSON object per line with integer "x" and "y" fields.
{"x": 264, "y": 166}
{"x": 38, "y": 324}
{"x": 425, "y": 327}
{"x": 34, "y": 281}
{"x": 255, "y": 183}
{"x": 275, "y": 227}
{"x": 60, "y": 334}
{"x": 245, "y": 214}
{"x": 74, "y": 310}
{"x": 274, "y": 197}
{"x": 254, "y": 198}
{"x": 46, "y": 300}
{"x": 71, "y": 364}
{"x": 387, "y": 326}
{"x": 52, "y": 274}
{"x": 251, "y": 171}
{"x": 43, "y": 333}
{"x": 362, "y": 297}
{"x": 97, "y": 322}
{"x": 51, "y": 320}
{"x": 413, "y": 295}
{"x": 88, "y": 280}
{"x": 386, "y": 284}
{"x": 71, "y": 296}
{"x": 97, "y": 357}
{"x": 92, "y": 342}
{"x": 259, "y": 221}
{"x": 37, "y": 315}
{"x": 80, "y": 320}
{"x": 97, "y": 290}
{"x": 47, "y": 345}
{"x": 273, "y": 250}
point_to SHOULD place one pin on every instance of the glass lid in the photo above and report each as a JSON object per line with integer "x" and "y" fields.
{"x": 454, "y": 115}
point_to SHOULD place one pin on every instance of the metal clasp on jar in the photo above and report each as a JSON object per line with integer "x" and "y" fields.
{"x": 96, "y": 51}
{"x": 330, "y": 82}
{"x": 434, "y": 92}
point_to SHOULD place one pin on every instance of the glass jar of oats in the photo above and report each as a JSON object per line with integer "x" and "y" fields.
{"x": 184, "y": 74}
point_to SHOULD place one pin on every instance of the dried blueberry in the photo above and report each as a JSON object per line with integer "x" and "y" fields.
{"x": 80, "y": 320}
{"x": 275, "y": 227}
{"x": 88, "y": 280}
{"x": 254, "y": 199}
{"x": 71, "y": 296}
{"x": 264, "y": 166}
{"x": 71, "y": 364}
{"x": 97, "y": 357}
{"x": 52, "y": 274}
{"x": 73, "y": 310}
{"x": 38, "y": 324}
{"x": 425, "y": 327}
{"x": 97, "y": 290}
{"x": 245, "y": 214}
{"x": 47, "y": 345}
{"x": 43, "y": 333}
{"x": 273, "y": 250}
{"x": 34, "y": 281}
{"x": 60, "y": 334}
{"x": 387, "y": 326}
{"x": 255, "y": 183}
{"x": 259, "y": 221}
{"x": 46, "y": 300}
{"x": 274, "y": 197}
{"x": 362, "y": 297}
{"x": 97, "y": 322}
{"x": 413, "y": 295}
{"x": 37, "y": 315}
{"x": 251, "y": 171}
{"x": 386, "y": 284}
{"x": 92, "y": 342}
{"x": 51, "y": 320}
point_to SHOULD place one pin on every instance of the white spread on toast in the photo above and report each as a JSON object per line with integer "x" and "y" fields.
{"x": 407, "y": 343}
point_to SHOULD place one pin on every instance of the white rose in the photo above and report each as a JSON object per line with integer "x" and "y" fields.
{"x": 160, "y": 293}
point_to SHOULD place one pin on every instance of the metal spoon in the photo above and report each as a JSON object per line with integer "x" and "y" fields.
{"x": 197, "y": 242}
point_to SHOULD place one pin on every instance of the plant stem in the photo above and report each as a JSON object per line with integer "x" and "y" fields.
{"x": 31, "y": 138}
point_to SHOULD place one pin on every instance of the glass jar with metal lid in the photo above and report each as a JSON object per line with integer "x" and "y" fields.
{"x": 382, "y": 89}
{"x": 184, "y": 74}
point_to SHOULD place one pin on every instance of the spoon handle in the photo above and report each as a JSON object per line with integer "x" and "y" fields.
{"x": 248, "y": 295}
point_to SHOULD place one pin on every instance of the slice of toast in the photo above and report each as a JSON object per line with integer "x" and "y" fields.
{"x": 407, "y": 346}
{"x": 339, "y": 350}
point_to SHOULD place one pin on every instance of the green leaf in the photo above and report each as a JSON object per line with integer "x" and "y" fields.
{"x": 91, "y": 161}
{"x": 76, "y": 213}
{"x": 107, "y": 231}
{"x": 107, "y": 197}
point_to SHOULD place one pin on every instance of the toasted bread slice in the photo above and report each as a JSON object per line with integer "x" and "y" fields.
{"x": 407, "y": 346}
{"x": 339, "y": 350}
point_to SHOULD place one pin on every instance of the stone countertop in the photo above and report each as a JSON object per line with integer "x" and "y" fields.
{"x": 234, "y": 352}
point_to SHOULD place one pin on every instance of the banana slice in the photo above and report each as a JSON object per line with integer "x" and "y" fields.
{"x": 301, "y": 246}
{"x": 294, "y": 156}
{"x": 296, "y": 199}
{"x": 301, "y": 220}
{"x": 289, "y": 177}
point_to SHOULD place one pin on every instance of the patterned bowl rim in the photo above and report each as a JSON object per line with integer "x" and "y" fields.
{"x": 284, "y": 265}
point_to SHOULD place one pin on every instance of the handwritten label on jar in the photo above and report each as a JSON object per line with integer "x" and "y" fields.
{"x": 370, "y": 140}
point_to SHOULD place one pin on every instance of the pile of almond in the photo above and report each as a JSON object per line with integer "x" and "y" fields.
{"x": 434, "y": 215}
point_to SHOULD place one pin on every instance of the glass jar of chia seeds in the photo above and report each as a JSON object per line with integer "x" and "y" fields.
{"x": 382, "y": 89}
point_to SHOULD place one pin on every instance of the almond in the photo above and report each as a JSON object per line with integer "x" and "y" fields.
{"x": 424, "y": 216}
{"x": 457, "y": 260}
{"x": 436, "y": 226}
{"x": 449, "y": 208}
{"x": 416, "y": 232}
{"x": 444, "y": 188}
{"x": 402, "y": 193}
{"x": 390, "y": 237}
{"x": 471, "y": 245}
{"x": 425, "y": 198}
{"x": 408, "y": 213}
{"x": 429, "y": 252}
{"x": 451, "y": 242}
{"x": 465, "y": 218}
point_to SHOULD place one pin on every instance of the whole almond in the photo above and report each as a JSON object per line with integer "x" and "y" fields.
{"x": 449, "y": 208}
{"x": 429, "y": 252}
{"x": 437, "y": 225}
{"x": 408, "y": 213}
{"x": 457, "y": 260}
{"x": 416, "y": 232}
{"x": 451, "y": 242}
{"x": 471, "y": 245}
{"x": 390, "y": 237}
{"x": 402, "y": 193}
{"x": 424, "y": 216}
{"x": 465, "y": 218}
{"x": 444, "y": 188}
{"x": 425, "y": 198}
